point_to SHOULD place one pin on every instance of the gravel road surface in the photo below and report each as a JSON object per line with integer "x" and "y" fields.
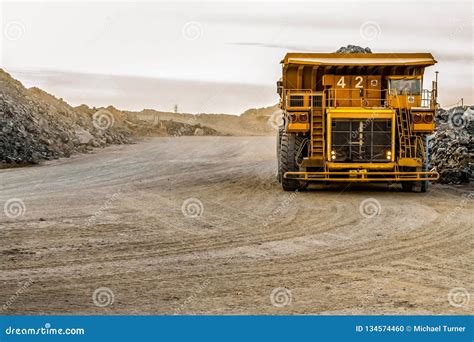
{"x": 199, "y": 225}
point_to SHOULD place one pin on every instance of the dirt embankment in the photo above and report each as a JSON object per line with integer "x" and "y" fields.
{"x": 35, "y": 126}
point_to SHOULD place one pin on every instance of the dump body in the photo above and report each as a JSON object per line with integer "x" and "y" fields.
{"x": 356, "y": 117}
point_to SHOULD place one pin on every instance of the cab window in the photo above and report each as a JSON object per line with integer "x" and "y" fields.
{"x": 405, "y": 87}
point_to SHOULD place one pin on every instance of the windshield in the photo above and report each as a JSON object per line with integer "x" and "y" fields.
{"x": 405, "y": 86}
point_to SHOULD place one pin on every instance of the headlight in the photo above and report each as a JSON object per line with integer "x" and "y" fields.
{"x": 428, "y": 118}
{"x": 388, "y": 155}
{"x": 333, "y": 155}
{"x": 417, "y": 118}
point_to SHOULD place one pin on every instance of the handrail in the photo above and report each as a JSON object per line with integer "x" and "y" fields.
{"x": 426, "y": 100}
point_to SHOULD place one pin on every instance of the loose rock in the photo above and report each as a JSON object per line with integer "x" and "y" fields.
{"x": 452, "y": 146}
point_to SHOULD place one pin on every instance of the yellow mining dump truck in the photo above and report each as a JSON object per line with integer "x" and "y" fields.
{"x": 355, "y": 118}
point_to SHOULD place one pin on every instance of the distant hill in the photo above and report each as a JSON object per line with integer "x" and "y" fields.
{"x": 251, "y": 122}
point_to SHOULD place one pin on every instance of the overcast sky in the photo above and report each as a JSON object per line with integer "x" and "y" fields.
{"x": 236, "y": 43}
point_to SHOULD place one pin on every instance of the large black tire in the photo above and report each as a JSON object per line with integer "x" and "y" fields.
{"x": 421, "y": 186}
{"x": 279, "y": 134}
{"x": 289, "y": 147}
{"x": 418, "y": 187}
{"x": 407, "y": 186}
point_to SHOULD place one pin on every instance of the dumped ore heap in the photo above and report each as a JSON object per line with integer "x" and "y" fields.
{"x": 353, "y": 49}
{"x": 452, "y": 146}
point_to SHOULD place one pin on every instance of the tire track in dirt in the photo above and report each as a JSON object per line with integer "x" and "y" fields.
{"x": 250, "y": 238}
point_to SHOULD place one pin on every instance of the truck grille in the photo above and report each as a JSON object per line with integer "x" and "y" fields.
{"x": 296, "y": 101}
{"x": 361, "y": 140}
{"x": 317, "y": 101}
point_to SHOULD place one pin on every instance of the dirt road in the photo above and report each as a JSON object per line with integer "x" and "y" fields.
{"x": 199, "y": 225}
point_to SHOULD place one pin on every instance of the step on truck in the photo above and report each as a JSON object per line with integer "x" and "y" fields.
{"x": 355, "y": 118}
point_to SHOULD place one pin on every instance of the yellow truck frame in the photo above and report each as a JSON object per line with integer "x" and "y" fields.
{"x": 355, "y": 118}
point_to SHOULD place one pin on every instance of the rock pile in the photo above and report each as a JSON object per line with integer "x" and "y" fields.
{"x": 353, "y": 49}
{"x": 178, "y": 129}
{"x": 35, "y": 125}
{"x": 452, "y": 146}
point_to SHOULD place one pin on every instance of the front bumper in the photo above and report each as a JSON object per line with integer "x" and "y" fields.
{"x": 362, "y": 176}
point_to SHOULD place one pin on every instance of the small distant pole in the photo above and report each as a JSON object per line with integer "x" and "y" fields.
{"x": 462, "y": 102}
{"x": 175, "y": 108}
